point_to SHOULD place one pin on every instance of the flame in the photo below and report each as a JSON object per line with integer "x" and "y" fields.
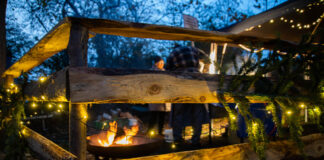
{"x": 107, "y": 138}
{"x": 128, "y": 137}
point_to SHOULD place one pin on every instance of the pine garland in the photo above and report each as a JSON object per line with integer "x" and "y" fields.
{"x": 289, "y": 89}
{"x": 12, "y": 113}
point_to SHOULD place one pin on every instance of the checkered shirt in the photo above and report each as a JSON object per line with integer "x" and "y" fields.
{"x": 183, "y": 57}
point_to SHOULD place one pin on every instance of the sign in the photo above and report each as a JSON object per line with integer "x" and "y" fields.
{"x": 190, "y": 22}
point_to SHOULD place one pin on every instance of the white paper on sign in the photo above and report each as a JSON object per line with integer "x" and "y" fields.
{"x": 190, "y": 22}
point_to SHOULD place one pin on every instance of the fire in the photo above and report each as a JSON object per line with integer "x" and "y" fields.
{"x": 107, "y": 138}
{"x": 128, "y": 137}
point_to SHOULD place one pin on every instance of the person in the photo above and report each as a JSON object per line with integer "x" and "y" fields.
{"x": 186, "y": 59}
{"x": 157, "y": 111}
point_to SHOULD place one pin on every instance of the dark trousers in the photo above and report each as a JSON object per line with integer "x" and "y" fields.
{"x": 157, "y": 118}
{"x": 194, "y": 113}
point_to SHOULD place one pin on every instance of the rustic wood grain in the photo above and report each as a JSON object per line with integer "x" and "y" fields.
{"x": 121, "y": 86}
{"x": 44, "y": 147}
{"x": 276, "y": 150}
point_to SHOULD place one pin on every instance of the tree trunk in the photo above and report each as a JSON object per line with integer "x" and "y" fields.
{"x": 3, "y": 6}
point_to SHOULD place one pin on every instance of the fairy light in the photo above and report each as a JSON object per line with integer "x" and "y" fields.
{"x": 34, "y": 105}
{"x": 233, "y": 117}
{"x": 286, "y": 20}
{"x": 59, "y": 111}
{"x": 23, "y": 131}
{"x": 269, "y": 112}
{"x": 302, "y": 105}
{"x": 152, "y": 133}
{"x": 292, "y": 26}
{"x": 42, "y": 79}
{"x": 35, "y": 113}
{"x": 282, "y": 18}
{"x": 289, "y": 112}
{"x": 271, "y": 21}
{"x": 104, "y": 124}
{"x": 291, "y": 21}
{"x": 28, "y": 122}
{"x": 60, "y": 106}
{"x": 49, "y": 105}
{"x": 259, "y": 26}
{"x": 43, "y": 97}
{"x": 301, "y": 11}
{"x": 173, "y": 146}
{"x": 8, "y": 90}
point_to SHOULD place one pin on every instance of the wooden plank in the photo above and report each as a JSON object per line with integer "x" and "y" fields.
{"x": 96, "y": 85}
{"x": 314, "y": 148}
{"x": 45, "y": 147}
{"x": 54, "y": 88}
{"x": 53, "y": 42}
{"x": 77, "y": 50}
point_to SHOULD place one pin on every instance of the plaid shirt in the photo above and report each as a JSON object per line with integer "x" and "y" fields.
{"x": 184, "y": 57}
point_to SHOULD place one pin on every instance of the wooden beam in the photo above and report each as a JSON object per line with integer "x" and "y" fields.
{"x": 54, "y": 41}
{"x": 58, "y": 38}
{"x": 96, "y": 85}
{"x": 314, "y": 149}
{"x": 77, "y": 51}
{"x": 44, "y": 147}
{"x": 54, "y": 88}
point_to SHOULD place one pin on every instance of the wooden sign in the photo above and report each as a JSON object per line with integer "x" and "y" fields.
{"x": 190, "y": 22}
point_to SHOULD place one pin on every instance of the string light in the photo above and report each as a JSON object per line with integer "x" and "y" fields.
{"x": 34, "y": 105}
{"x": 152, "y": 133}
{"x": 23, "y": 131}
{"x": 43, "y": 97}
{"x": 259, "y": 26}
{"x": 302, "y": 106}
{"x": 35, "y": 113}
{"x": 292, "y": 26}
{"x": 173, "y": 146}
{"x": 269, "y": 112}
{"x": 282, "y": 18}
{"x": 59, "y": 111}
{"x": 60, "y": 106}
{"x": 28, "y": 122}
{"x": 49, "y": 105}
{"x": 271, "y": 21}
{"x": 289, "y": 112}
{"x": 291, "y": 21}
{"x": 233, "y": 117}
{"x": 42, "y": 79}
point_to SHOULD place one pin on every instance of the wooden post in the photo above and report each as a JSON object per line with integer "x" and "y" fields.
{"x": 77, "y": 50}
{"x": 78, "y": 130}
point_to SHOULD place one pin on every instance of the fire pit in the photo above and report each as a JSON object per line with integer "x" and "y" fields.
{"x": 108, "y": 145}
{"x": 141, "y": 146}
